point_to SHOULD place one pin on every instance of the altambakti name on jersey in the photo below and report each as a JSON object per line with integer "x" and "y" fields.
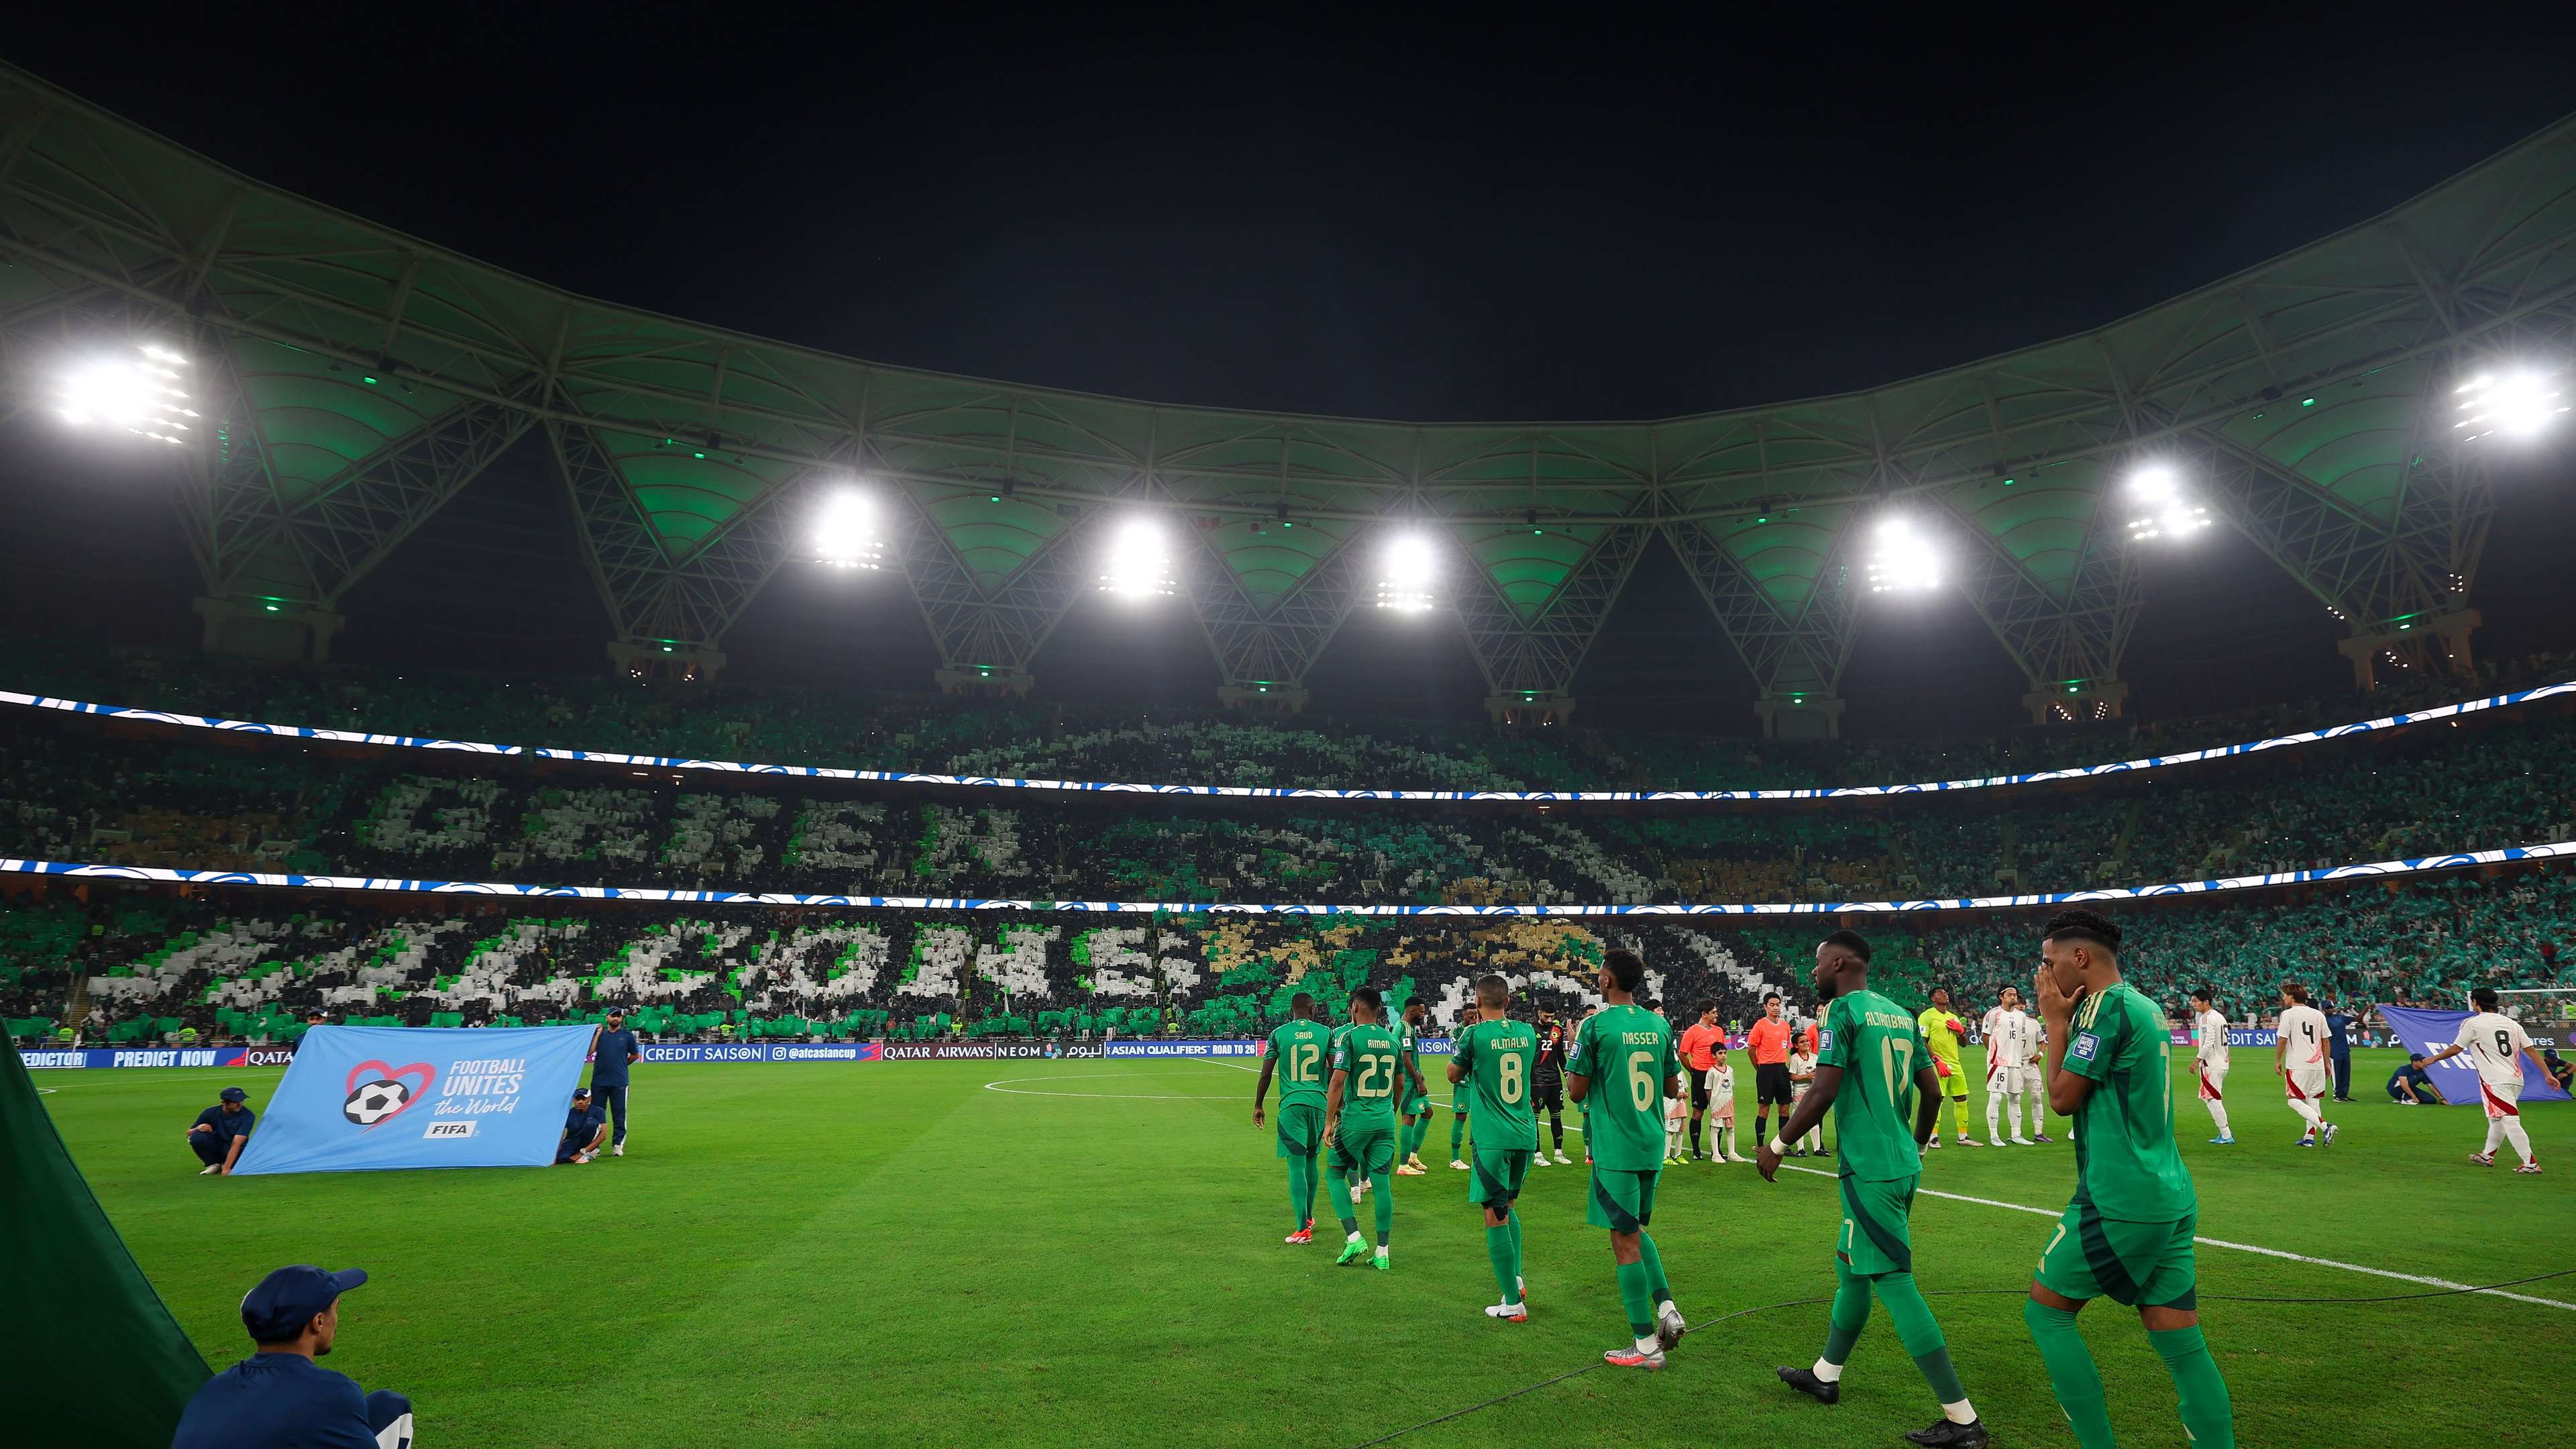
{"x": 1878, "y": 1046}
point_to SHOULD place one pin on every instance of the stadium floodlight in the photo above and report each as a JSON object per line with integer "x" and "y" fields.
{"x": 846, "y": 534}
{"x": 2520, "y": 404}
{"x": 1901, "y": 559}
{"x": 140, "y": 394}
{"x": 1407, "y": 571}
{"x": 1140, "y": 564}
{"x": 2164, "y": 508}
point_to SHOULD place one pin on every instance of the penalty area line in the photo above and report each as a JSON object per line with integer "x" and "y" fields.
{"x": 2255, "y": 1248}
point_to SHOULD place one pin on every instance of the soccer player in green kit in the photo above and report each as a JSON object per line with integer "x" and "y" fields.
{"x": 1369, "y": 1068}
{"x": 1873, "y": 1069}
{"x": 1414, "y": 1115}
{"x": 1495, "y": 1061}
{"x": 2128, "y": 1232}
{"x": 1627, "y": 1051}
{"x": 1297, "y": 1053}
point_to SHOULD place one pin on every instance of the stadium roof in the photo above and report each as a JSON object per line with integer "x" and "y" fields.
{"x": 354, "y": 379}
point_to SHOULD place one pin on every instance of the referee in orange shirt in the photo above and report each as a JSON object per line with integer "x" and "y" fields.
{"x": 1768, "y": 1042}
{"x": 1699, "y": 1047}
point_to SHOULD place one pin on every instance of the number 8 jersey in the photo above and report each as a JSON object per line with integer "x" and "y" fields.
{"x": 1626, "y": 1051}
{"x": 1878, "y": 1045}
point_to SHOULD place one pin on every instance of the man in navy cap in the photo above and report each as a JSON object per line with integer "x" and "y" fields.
{"x": 279, "y": 1397}
{"x": 613, "y": 1049}
{"x": 221, "y": 1131}
{"x": 584, "y": 1125}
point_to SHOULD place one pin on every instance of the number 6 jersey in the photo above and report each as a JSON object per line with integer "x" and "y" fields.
{"x": 1626, "y": 1051}
{"x": 1878, "y": 1046}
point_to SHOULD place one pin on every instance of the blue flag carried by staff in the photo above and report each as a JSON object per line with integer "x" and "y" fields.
{"x": 2427, "y": 1032}
{"x": 366, "y": 1098}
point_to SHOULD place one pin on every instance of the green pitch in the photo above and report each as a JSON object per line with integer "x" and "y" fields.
{"x": 838, "y": 1254}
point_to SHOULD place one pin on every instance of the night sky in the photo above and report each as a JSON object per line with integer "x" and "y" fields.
{"x": 1497, "y": 221}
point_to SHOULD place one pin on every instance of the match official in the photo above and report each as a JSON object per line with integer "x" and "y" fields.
{"x": 279, "y": 1398}
{"x": 221, "y": 1131}
{"x": 612, "y": 1051}
{"x": 1768, "y": 1044}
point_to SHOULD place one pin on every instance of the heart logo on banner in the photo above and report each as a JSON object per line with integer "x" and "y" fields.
{"x": 370, "y": 1072}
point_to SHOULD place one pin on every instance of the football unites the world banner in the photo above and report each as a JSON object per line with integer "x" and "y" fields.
{"x": 366, "y": 1098}
{"x": 2427, "y": 1032}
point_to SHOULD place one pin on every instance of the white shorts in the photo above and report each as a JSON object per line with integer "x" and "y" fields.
{"x": 2211, "y": 1079}
{"x": 2307, "y": 1084}
{"x": 2016, "y": 1081}
{"x": 2501, "y": 1102}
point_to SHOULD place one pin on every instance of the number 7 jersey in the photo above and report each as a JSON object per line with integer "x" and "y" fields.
{"x": 1627, "y": 1052}
{"x": 1878, "y": 1045}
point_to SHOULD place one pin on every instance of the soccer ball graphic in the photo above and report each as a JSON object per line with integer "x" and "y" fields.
{"x": 374, "y": 1101}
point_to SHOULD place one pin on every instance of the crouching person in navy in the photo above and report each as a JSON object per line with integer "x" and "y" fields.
{"x": 279, "y": 1398}
{"x": 584, "y": 1126}
{"x": 221, "y": 1131}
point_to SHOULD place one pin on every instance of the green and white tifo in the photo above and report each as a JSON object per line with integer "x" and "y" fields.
{"x": 1078, "y": 1253}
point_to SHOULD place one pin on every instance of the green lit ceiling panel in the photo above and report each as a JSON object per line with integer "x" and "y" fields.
{"x": 1528, "y": 565}
{"x": 1269, "y": 558}
{"x": 320, "y": 418}
{"x": 994, "y": 534}
{"x": 685, "y": 492}
{"x": 2350, "y": 440}
{"x": 2041, "y": 520}
{"x": 1786, "y": 550}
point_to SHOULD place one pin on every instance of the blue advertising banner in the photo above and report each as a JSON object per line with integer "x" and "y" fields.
{"x": 103, "y": 1058}
{"x": 816, "y": 1051}
{"x": 2430, "y": 1031}
{"x": 368, "y": 1098}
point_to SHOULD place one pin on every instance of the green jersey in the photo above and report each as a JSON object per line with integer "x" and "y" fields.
{"x": 1878, "y": 1044}
{"x": 2126, "y": 1164}
{"x": 1404, "y": 1040}
{"x": 1500, "y": 1058}
{"x": 1298, "y": 1049}
{"x": 1374, "y": 1059}
{"x": 1627, "y": 1052}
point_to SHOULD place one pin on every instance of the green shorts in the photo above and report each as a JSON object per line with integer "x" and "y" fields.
{"x": 1878, "y": 1216}
{"x": 1622, "y": 1201}
{"x": 1301, "y": 1129}
{"x": 1365, "y": 1150}
{"x": 2137, "y": 1265}
{"x": 1415, "y": 1107}
{"x": 1498, "y": 1174}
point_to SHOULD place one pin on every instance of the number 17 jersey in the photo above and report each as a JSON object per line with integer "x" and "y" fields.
{"x": 1878, "y": 1046}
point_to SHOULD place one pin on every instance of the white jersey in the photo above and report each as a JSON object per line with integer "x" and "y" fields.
{"x": 1801, "y": 1064}
{"x": 2303, "y": 1033}
{"x": 2012, "y": 1039}
{"x": 2495, "y": 1045}
{"x": 2209, "y": 1040}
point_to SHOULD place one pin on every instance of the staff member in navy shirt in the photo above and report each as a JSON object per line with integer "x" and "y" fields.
{"x": 2339, "y": 1020}
{"x": 583, "y": 1127}
{"x": 221, "y": 1131}
{"x": 279, "y": 1398}
{"x": 612, "y": 1051}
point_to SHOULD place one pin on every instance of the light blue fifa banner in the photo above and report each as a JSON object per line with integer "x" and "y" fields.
{"x": 368, "y": 1098}
{"x": 2429, "y": 1031}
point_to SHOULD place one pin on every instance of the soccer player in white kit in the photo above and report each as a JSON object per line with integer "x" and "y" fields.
{"x": 2012, "y": 1049}
{"x": 2299, "y": 1054}
{"x": 2209, "y": 1058}
{"x": 2496, "y": 1045}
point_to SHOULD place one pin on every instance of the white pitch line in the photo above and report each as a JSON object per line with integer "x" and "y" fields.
{"x": 2249, "y": 1248}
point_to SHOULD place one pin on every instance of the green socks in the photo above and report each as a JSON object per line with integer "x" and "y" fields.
{"x": 1657, "y": 1290}
{"x": 1457, "y": 1135}
{"x": 1340, "y": 1189}
{"x": 1503, "y": 1250}
{"x": 1637, "y": 1298}
{"x": 2071, "y": 1374}
{"x": 1516, "y": 1239}
{"x": 1920, "y": 1333}
{"x": 2207, "y": 1415}
{"x": 1306, "y": 1211}
{"x": 1848, "y": 1316}
{"x": 1301, "y": 1191}
{"x": 1385, "y": 1203}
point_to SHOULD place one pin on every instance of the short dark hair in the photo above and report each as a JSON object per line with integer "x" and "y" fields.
{"x": 1301, "y": 1003}
{"x": 1625, "y": 967}
{"x": 1706, "y": 1007}
{"x": 2203, "y": 993}
{"x": 2485, "y": 997}
{"x": 1852, "y": 941}
{"x": 1368, "y": 996}
{"x": 1492, "y": 991}
{"x": 2083, "y": 925}
{"x": 1770, "y": 996}
{"x": 1414, "y": 1005}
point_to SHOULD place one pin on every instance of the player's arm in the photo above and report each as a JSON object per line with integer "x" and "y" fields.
{"x": 1927, "y": 1103}
{"x": 1805, "y": 1117}
{"x": 2445, "y": 1054}
{"x": 1578, "y": 1083}
{"x": 2538, "y": 1065}
{"x": 1333, "y": 1104}
{"x": 1261, "y": 1088}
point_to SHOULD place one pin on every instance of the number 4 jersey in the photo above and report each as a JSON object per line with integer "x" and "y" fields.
{"x": 1627, "y": 1052}
{"x": 1878, "y": 1046}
